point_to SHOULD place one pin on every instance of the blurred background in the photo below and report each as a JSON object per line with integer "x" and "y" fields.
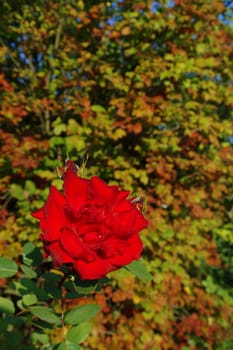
{"x": 145, "y": 88}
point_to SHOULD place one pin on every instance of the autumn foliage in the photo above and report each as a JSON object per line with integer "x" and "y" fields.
{"x": 145, "y": 88}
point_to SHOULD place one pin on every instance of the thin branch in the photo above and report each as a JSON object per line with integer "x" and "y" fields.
{"x": 48, "y": 77}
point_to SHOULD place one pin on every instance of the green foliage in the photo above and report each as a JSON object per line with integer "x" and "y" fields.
{"x": 68, "y": 346}
{"x": 8, "y": 268}
{"x": 137, "y": 268}
{"x": 39, "y": 302}
{"x": 45, "y": 314}
{"x": 6, "y": 306}
{"x": 34, "y": 304}
{"x": 82, "y": 313}
{"x": 79, "y": 333}
{"x": 146, "y": 89}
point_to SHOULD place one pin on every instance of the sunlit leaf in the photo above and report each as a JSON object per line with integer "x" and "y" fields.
{"x": 68, "y": 345}
{"x": 82, "y": 313}
{"x": 6, "y": 306}
{"x": 8, "y": 268}
{"x": 139, "y": 270}
{"x": 29, "y": 299}
{"x": 79, "y": 333}
{"x": 45, "y": 314}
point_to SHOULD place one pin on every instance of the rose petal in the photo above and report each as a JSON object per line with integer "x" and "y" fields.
{"x": 39, "y": 214}
{"x": 52, "y": 215}
{"x": 71, "y": 166}
{"x": 57, "y": 196}
{"x": 74, "y": 246}
{"x": 122, "y": 223}
{"x": 55, "y": 200}
{"x": 54, "y": 195}
{"x": 93, "y": 270}
{"x": 92, "y": 240}
{"x": 133, "y": 252}
{"x": 75, "y": 189}
{"x": 112, "y": 247}
{"x": 58, "y": 254}
{"x": 122, "y": 195}
{"x": 125, "y": 223}
{"x": 140, "y": 222}
{"x": 122, "y": 204}
{"x": 99, "y": 189}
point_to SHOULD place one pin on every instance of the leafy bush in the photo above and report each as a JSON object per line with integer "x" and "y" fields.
{"x": 145, "y": 88}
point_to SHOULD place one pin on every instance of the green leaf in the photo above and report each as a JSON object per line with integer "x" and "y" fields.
{"x": 6, "y": 306}
{"x": 59, "y": 129}
{"x": 51, "y": 284}
{"x": 79, "y": 333}
{"x": 27, "y": 286}
{"x": 82, "y": 287}
{"x": 30, "y": 186}
{"x": 21, "y": 305}
{"x": 28, "y": 271}
{"x": 29, "y": 299}
{"x": 40, "y": 337}
{"x": 16, "y": 191}
{"x": 98, "y": 108}
{"x": 130, "y": 52}
{"x": 31, "y": 255}
{"x": 86, "y": 289}
{"x": 68, "y": 345}
{"x": 8, "y": 267}
{"x": 82, "y": 313}
{"x": 72, "y": 295}
{"x": 139, "y": 270}
{"x": 45, "y": 314}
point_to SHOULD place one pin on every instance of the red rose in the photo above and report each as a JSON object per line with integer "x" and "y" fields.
{"x": 92, "y": 226}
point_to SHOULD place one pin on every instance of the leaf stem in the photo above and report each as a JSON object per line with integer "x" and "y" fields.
{"x": 63, "y": 317}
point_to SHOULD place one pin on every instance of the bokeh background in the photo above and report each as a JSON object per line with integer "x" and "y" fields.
{"x": 145, "y": 88}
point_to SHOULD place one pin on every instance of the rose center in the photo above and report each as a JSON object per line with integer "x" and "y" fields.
{"x": 93, "y": 240}
{"x": 93, "y": 213}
